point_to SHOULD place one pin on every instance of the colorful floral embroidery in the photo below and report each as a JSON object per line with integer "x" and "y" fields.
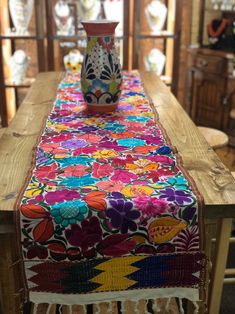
{"x": 106, "y": 185}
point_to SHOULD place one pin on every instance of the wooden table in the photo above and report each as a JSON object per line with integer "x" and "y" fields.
{"x": 213, "y": 179}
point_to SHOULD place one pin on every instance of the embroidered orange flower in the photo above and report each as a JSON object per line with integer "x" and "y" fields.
{"x": 137, "y": 191}
{"x": 142, "y": 165}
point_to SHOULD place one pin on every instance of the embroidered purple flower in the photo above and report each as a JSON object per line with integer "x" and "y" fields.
{"x": 122, "y": 215}
{"x": 74, "y": 144}
{"x": 42, "y": 157}
{"x": 86, "y": 235}
{"x": 61, "y": 195}
{"x": 178, "y": 196}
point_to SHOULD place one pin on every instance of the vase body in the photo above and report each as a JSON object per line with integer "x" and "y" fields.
{"x": 21, "y": 13}
{"x": 101, "y": 71}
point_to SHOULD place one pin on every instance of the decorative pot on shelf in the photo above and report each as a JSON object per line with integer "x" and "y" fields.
{"x": 73, "y": 61}
{"x": 21, "y": 13}
{"x": 101, "y": 71}
{"x": 19, "y": 64}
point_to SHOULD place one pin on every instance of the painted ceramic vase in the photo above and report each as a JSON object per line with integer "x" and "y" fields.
{"x": 101, "y": 71}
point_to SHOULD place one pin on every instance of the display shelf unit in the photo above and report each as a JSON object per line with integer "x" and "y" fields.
{"x": 37, "y": 37}
{"x": 133, "y": 43}
{"x": 55, "y": 40}
{"x": 211, "y": 80}
{"x": 166, "y": 40}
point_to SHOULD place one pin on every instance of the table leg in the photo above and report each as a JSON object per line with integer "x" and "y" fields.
{"x": 9, "y": 283}
{"x": 219, "y": 265}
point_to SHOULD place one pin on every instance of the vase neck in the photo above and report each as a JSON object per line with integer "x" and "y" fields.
{"x": 100, "y": 28}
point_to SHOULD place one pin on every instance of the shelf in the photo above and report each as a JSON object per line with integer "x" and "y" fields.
{"x": 13, "y": 37}
{"x": 77, "y": 37}
{"x": 27, "y": 83}
{"x": 160, "y": 34}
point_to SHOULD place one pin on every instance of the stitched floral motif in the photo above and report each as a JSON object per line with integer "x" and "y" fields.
{"x": 106, "y": 178}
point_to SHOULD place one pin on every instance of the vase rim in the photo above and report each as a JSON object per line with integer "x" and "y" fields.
{"x": 102, "y": 21}
{"x": 99, "y": 28}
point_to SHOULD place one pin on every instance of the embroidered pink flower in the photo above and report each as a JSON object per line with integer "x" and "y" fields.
{"x": 59, "y": 138}
{"x": 91, "y": 138}
{"x": 49, "y": 172}
{"x": 53, "y": 148}
{"x": 74, "y": 171}
{"x": 124, "y": 176}
{"x": 151, "y": 206}
{"x": 101, "y": 170}
{"x": 85, "y": 150}
{"x": 110, "y": 185}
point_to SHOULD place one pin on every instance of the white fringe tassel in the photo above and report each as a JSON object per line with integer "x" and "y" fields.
{"x": 136, "y": 308}
{"x": 60, "y": 308}
{"x": 181, "y": 306}
{"x": 49, "y": 308}
{"x": 167, "y": 304}
{"x": 156, "y": 306}
{"x": 123, "y": 307}
{"x": 196, "y": 308}
{"x": 35, "y": 308}
{"x": 110, "y": 307}
{"x": 84, "y": 308}
{"x": 97, "y": 309}
{"x": 70, "y": 309}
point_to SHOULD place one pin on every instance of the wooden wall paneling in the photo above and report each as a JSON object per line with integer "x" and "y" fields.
{"x": 40, "y": 35}
{"x": 177, "y": 32}
{"x": 3, "y": 104}
{"x": 50, "y": 43}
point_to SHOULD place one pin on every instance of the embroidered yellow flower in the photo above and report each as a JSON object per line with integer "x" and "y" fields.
{"x": 105, "y": 153}
{"x": 32, "y": 192}
{"x": 142, "y": 165}
{"x": 137, "y": 191}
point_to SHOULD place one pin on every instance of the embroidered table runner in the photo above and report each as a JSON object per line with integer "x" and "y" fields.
{"x": 109, "y": 213}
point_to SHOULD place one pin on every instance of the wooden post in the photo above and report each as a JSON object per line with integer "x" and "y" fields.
{"x": 218, "y": 269}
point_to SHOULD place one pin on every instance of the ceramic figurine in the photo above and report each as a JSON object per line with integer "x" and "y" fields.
{"x": 156, "y": 13}
{"x": 73, "y": 61}
{"x": 88, "y": 9}
{"x": 155, "y": 61}
{"x": 19, "y": 64}
{"x": 101, "y": 71}
{"x": 63, "y": 19}
{"x": 21, "y": 13}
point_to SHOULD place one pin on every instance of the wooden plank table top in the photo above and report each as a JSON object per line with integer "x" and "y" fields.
{"x": 212, "y": 178}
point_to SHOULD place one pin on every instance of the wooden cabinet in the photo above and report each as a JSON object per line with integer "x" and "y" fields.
{"x": 212, "y": 86}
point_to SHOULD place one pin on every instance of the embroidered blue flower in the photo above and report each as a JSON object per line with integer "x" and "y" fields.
{"x": 112, "y": 126}
{"x": 137, "y": 118}
{"x": 80, "y": 160}
{"x": 180, "y": 182}
{"x": 76, "y": 182}
{"x": 69, "y": 213}
{"x": 131, "y": 142}
{"x": 164, "y": 150}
